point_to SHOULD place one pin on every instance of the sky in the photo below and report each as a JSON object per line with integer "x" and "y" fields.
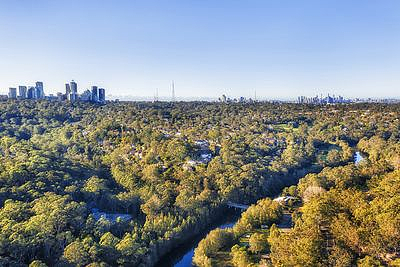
{"x": 276, "y": 48}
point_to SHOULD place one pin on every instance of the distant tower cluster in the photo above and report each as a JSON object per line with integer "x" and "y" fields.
{"x": 33, "y": 92}
{"x": 96, "y": 94}
{"x": 322, "y": 100}
{"x": 241, "y": 99}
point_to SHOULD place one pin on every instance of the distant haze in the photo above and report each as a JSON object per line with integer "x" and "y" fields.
{"x": 281, "y": 49}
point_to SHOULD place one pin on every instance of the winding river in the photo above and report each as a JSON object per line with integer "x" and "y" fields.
{"x": 186, "y": 260}
{"x": 183, "y": 254}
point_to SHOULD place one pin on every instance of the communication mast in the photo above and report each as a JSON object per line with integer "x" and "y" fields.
{"x": 173, "y": 91}
{"x": 156, "y": 96}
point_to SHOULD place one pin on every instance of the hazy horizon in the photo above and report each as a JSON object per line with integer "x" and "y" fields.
{"x": 209, "y": 48}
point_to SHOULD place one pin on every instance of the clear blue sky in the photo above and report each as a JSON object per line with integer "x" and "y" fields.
{"x": 280, "y": 48}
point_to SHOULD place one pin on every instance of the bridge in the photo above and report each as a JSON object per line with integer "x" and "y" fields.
{"x": 237, "y": 206}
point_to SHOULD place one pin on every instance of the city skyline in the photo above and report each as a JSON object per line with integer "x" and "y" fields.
{"x": 97, "y": 94}
{"x": 208, "y": 48}
{"x": 72, "y": 94}
{"x": 172, "y": 96}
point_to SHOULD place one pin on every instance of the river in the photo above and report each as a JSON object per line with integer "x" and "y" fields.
{"x": 358, "y": 157}
{"x": 183, "y": 254}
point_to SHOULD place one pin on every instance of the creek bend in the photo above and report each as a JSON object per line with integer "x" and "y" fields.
{"x": 182, "y": 255}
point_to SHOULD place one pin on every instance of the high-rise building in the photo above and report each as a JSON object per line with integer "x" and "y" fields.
{"x": 37, "y": 94}
{"x": 31, "y": 92}
{"x": 102, "y": 95}
{"x": 22, "y": 91}
{"x": 73, "y": 95}
{"x": 74, "y": 87}
{"x": 39, "y": 90}
{"x": 67, "y": 90}
{"x": 12, "y": 93}
{"x": 95, "y": 94}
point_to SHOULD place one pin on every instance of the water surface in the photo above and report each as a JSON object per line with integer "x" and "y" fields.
{"x": 182, "y": 255}
{"x": 358, "y": 157}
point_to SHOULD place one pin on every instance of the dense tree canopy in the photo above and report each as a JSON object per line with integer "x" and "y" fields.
{"x": 349, "y": 216}
{"x": 124, "y": 183}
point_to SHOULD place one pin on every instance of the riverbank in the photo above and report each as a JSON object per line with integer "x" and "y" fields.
{"x": 250, "y": 233}
{"x": 183, "y": 254}
{"x": 272, "y": 187}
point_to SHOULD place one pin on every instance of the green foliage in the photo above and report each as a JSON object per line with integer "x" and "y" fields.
{"x": 240, "y": 258}
{"x": 258, "y": 243}
{"x": 169, "y": 168}
{"x": 265, "y": 212}
{"x": 368, "y": 261}
{"x": 215, "y": 241}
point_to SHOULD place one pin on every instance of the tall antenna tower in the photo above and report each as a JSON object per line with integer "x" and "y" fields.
{"x": 157, "y": 94}
{"x": 255, "y": 95}
{"x": 173, "y": 91}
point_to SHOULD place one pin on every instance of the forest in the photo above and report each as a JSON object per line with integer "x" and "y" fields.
{"x": 124, "y": 183}
{"x": 346, "y": 215}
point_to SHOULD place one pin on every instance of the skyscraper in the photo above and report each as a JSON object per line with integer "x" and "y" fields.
{"x": 67, "y": 90}
{"x": 102, "y": 95}
{"x": 74, "y": 87}
{"x": 39, "y": 90}
{"x": 37, "y": 94}
{"x": 22, "y": 91}
{"x": 31, "y": 92}
{"x": 95, "y": 94}
{"x": 12, "y": 93}
{"x": 73, "y": 95}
